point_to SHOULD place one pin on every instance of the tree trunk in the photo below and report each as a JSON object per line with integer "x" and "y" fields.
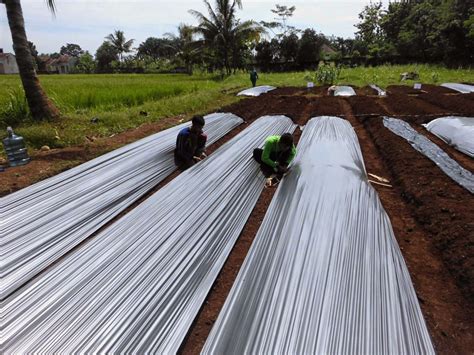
{"x": 40, "y": 106}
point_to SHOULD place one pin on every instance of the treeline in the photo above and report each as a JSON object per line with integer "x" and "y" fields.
{"x": 424, "y": 31}
{"x": 427, "y": 31}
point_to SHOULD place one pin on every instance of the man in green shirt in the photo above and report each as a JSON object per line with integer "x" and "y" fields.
{"x": 275, "y": 157}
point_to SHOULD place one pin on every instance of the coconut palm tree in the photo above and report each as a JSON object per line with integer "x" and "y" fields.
{"x": 40, "y": 106}
{"x": 222, "y": 31}
{"x": 119, "y": 42}
{"x": 185, "y": 46}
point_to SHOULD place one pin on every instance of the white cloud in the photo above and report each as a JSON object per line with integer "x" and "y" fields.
{"x": 87, "y": 22}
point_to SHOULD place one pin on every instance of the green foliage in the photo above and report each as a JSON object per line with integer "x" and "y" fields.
{"x": 153, "y": 49}
{"x": 289, "y": 47}
{"x": 423, "y": 30}
{"x": 186, "y": 49}
{"x": 266, "y": 53}
{"x": 226, "y": 39}
{"x": 86, "y": 64}
{"x": 309, "y": 47}
{"x": 15, "y": 110}
{"x": 325, "y": 75}
{"x": 39, "y": 135}
{"x": 71, "y": 49}
{"x": 118, "y": 41}
{"x": 369, "y": 28}
{"x": 104, "y": 56}
{"x": 469, "y": 26}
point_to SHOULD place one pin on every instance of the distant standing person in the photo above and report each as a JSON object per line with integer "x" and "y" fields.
{"x": 190, "y": 144}
{"x": 275, "y": 157}
{"x": 253, "y": 77}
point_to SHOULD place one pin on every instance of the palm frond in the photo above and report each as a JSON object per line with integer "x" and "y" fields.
{"x": 51, "y": 5}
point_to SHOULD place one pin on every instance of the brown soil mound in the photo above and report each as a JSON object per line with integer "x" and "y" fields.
{"x": 411, "y": 108}
{"x": 402, "y": 90}
{"x": 325, "y": 106}
{"x": 456, "y": 104}
{"x": 425, "y": 88}
{"x": 365, "y": 91}
{"x": 253, "y": 108}
{"x": 288, "y": 90}
{"x": 367, "y": 106}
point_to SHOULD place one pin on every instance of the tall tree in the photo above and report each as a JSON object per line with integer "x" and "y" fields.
{"x": 223, "y": 33}
{"x": 120, "y": 43}
{"x": 71, "y": 49}
{"x": 156, "y": 48}
{"x": 105, "y": 55}
{"x": 184, "y": 46}
{"x": 40, "y": 105}
{"x": 86, "y": 64}
{"x": 289, "y": 47}
{"x": 309, "y": 48}
{"x": 283, "y": 13}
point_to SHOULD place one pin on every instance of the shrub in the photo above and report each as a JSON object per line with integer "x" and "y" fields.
{"x": 325, "y": 74}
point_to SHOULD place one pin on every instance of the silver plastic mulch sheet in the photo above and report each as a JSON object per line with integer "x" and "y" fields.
{"x": 256, "y": 91}
{"x": 429, "y": 149}
{"x": 462, "y": 88}
{"x": 139, "y": 284}
{"x": 40, "y": 223}
{"x": 456, "y": 131}
{"x": 325, "y": 274}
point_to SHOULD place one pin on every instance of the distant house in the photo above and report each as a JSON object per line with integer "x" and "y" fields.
{"x": 63, "y": 64}
{"x": 8, "y": 63}
{"x": 327, "y": 52}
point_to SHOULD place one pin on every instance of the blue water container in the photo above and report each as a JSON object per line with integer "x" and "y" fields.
{"x": 15, "y": 148}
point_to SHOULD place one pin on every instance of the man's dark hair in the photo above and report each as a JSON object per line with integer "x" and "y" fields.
{"x": 198, "y": 121}
{"x": 286, "y": 140}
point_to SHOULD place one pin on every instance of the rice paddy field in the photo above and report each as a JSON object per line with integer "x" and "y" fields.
{"x": 118, "y": 102}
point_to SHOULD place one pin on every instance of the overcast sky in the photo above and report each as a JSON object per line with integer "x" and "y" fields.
{"x": 87, "y": 22}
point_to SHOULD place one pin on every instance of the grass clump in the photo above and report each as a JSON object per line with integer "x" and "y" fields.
{"x": 15, "y": 109}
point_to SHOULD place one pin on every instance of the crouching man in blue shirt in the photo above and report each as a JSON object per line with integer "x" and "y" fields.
{"x": 190, "y": 144}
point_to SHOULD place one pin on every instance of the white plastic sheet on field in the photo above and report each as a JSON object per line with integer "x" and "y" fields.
{"x": 344, "y": 91}
{"x": 462, "y": 88}
{"x": 138, "y": 286}
{"x": 324, "y": 274}
{"x": 256, "y": 91}
{"x": 456, "y": 131}
{"x": 429, "y": 149}
{"x": 380, "y": 92}
{"x": 42, "y": 222}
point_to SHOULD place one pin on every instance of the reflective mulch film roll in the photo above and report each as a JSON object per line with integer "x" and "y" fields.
{"x": 426, "y": 147}
{"x": 462, "y": 88}
{"x": 456, "y": 131}
{"x": 344, "y": 91}
{"x": 380, "y": 92}
{"x": 40, "y": 223}
{"x": 256, "y": 91}
{"x": 137, "y": 286}
{"x": 324, "y": 274}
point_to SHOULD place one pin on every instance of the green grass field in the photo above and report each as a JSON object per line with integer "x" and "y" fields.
{"x": 118, "y": 99}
